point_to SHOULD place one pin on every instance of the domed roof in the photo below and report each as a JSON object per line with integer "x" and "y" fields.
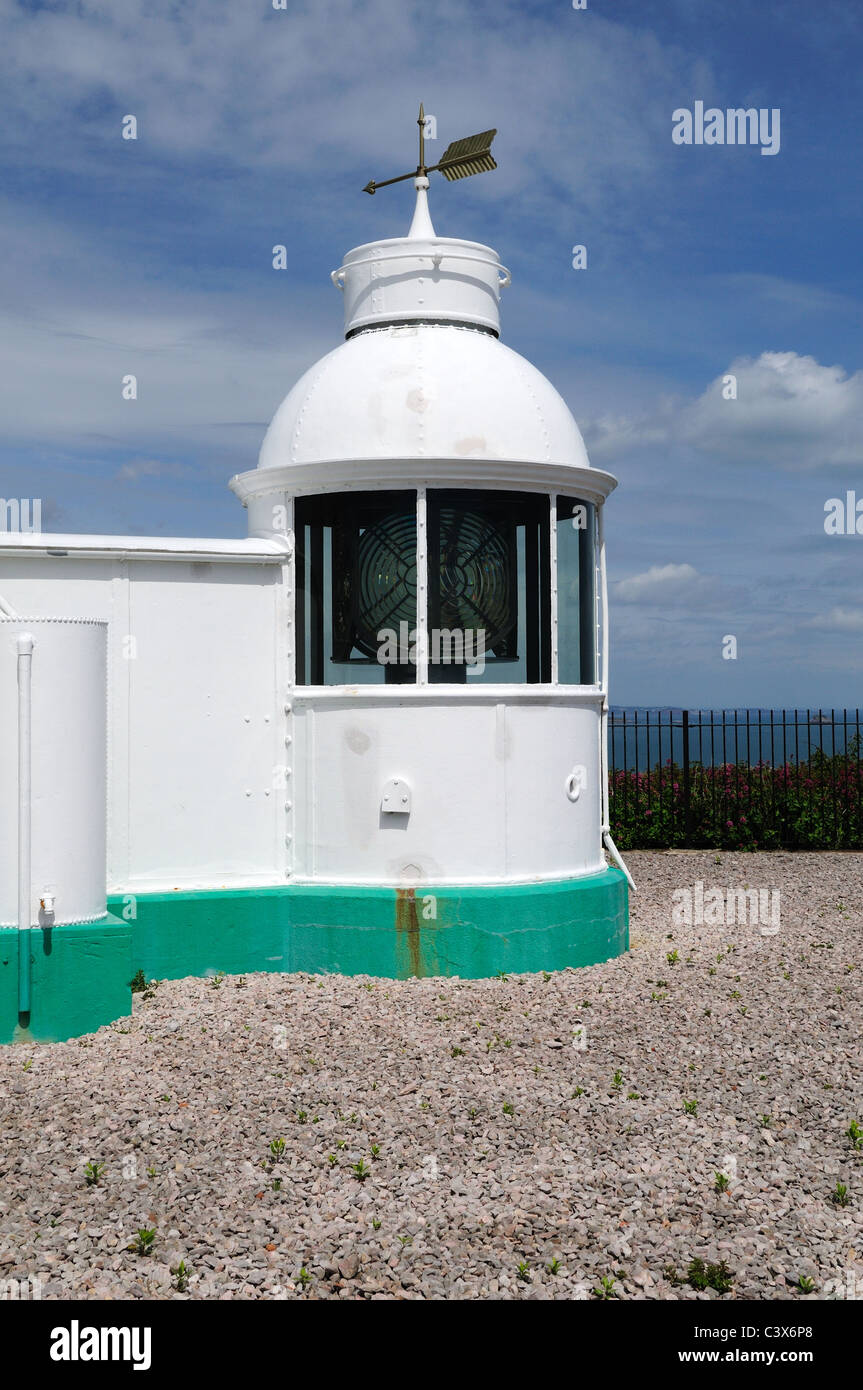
{"x": 423, "y": 390}
{"x": 421, "y": 376}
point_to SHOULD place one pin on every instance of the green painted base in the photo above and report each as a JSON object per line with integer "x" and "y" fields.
{"x": 471, "y": 932}
{"x": 79, "y": 980}
{"x": 81, "y": 974}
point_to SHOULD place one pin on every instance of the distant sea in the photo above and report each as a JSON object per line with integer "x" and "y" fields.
{"x": 642, "y": 736}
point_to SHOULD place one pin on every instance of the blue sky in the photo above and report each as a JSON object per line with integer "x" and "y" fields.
{"x": 259, "y": 127}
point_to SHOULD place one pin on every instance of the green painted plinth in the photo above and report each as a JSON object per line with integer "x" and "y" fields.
{"x": 470, "y": 932}
{"x": 81, "y": 974}
{"x": 79, "y": 980}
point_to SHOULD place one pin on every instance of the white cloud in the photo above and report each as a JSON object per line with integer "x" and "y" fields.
{"x": 211, "y": 364}
{"x": 662, "y": 584}
{"x": 839, "y": 620}
{"x": 137, "y": 469}
{"x": 790, "y": 411}
{"x": 612, "y": 435}
{"x": 225, "y": 92}
{"x": 245, "y": 85}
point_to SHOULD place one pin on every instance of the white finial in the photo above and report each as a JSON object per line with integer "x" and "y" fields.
{"x": 421, "y": 227}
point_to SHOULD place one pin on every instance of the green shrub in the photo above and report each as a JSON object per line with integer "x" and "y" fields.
{"x": 816, "y": 804}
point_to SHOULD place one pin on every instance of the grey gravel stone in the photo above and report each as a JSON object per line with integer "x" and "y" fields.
{"x": 607, "y": 1177}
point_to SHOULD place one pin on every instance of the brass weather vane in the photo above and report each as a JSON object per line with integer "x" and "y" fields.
{"x": 460, "y": 159}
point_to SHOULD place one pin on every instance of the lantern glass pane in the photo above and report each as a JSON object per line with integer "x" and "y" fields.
{"x": 576, "y": 592}
{"x": 489, "y": 587}
{"x": 356, "y": 567}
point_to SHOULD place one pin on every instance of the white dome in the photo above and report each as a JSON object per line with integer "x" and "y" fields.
{"x": 423, "y": 391}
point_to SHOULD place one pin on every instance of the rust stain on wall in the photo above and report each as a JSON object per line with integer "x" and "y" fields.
{"x": 408, "y": 927}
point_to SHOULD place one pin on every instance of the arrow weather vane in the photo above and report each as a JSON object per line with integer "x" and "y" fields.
{"x": 460, "y": 159}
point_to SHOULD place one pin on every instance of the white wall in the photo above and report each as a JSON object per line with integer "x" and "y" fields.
{"x": 196, "y": 681}
{"x": 488, "y": 777}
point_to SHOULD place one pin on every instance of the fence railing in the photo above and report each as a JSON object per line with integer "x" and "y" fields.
{"x": 736, "y": 779}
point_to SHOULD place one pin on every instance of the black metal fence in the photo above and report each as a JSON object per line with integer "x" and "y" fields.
{"x": 736, "y": 779}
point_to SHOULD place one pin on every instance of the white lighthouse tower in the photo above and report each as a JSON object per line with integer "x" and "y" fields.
{"x": 448, "y": 629}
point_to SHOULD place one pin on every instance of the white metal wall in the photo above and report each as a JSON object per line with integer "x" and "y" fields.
{"x": 196, "y": 677}
{"x": 489, "y": 779}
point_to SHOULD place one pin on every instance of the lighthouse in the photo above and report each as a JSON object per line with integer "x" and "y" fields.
{"x": 447, "y": 649}
{"x": 369, "y": 736}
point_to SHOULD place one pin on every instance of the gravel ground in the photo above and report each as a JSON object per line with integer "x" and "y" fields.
{"x": 508, "y": 1154}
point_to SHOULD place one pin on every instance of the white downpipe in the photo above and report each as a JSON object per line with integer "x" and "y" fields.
{"x": 616, "y": 856}
{"x": 25, "y": 644}
{"x": 6, "y": 608}
{"x": 603, "y": 718}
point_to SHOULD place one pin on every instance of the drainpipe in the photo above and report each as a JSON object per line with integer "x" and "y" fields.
{"x": 6, "y": 608}
{"x": 603, "y": 736}
{"x": 25, "y": 656}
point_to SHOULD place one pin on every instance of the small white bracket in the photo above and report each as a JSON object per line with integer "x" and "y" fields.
{"x": 396, "y": 798}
